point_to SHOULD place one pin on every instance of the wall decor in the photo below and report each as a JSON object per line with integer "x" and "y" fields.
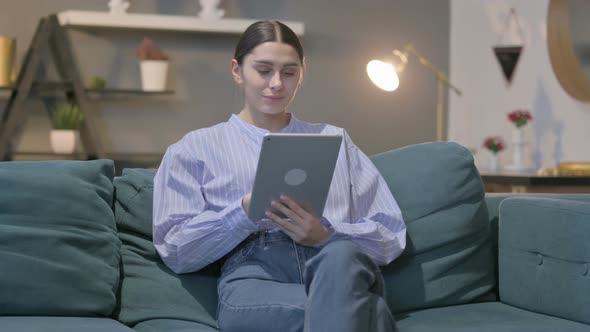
{"x": 508, "y": 55}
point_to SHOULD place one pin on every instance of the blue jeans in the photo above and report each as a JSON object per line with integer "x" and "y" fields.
{"x": 270, "y": 283}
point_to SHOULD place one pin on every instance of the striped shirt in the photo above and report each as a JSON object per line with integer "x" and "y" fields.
{"x": 198, "y": 190}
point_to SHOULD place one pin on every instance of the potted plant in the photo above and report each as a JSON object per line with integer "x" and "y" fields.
{"x": 494, "y": 144}
{"x": 98, "y": 83}
{"x": 66, "y": 119}
{"x": 153, "y": 65}
{"x": 519, "y": 118}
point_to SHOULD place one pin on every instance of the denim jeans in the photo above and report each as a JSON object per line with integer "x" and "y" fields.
{"x": 270, "y": 283}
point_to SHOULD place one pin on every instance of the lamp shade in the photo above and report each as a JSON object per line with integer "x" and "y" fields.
{"x": 383, "y": 75}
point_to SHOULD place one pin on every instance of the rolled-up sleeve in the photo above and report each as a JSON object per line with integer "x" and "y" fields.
{"x": 186, "y": 235}
{"x": 373, "y": 219}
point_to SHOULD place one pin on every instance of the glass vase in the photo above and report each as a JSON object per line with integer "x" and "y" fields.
{"x": 493, "y": 162}
{"x": 518, "y": 145}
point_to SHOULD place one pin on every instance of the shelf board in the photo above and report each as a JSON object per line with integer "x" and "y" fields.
{"x": 49, "y": 87}
{"x": 109, "y": 91}
{"x": 46, "y": 155}
{"x": 58, "y": 88}
{"x": 162, "y": 22}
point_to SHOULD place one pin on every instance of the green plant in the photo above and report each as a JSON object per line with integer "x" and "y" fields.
{"x": 98, "y": 83}
{"x": 148, "y": 50}
{"x": 66, "y": 116}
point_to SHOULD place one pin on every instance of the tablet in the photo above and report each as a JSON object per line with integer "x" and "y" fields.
{"x": 299, "y": 166}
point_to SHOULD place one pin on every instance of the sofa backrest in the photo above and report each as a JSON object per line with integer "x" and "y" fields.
{"x": 59, "y": 250}
{"x": 449, "y": 258}
{"x": 149, "y": 290}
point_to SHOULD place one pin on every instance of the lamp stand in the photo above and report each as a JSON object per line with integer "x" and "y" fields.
{"x": 440, "y": 110}
{"x": 442, "y": 81}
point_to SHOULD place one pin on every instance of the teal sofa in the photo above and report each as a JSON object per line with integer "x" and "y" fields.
{"x": 76, "y": 252}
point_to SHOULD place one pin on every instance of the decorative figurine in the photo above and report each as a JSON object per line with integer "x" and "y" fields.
{"x": 209, "y": 9}
{"x": 118, "y": 7}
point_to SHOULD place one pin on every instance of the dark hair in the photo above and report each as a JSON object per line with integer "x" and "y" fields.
{"x": 266, "y": 31}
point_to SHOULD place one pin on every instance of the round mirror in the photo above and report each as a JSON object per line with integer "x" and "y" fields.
{"x": 580, "y": 29}
{"x": 568, "y": 40}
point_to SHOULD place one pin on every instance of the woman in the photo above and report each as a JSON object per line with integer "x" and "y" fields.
{"x": 293, "y": 274}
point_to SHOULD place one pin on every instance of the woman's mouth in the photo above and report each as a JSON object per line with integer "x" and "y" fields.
{"x": 272, "y": 98}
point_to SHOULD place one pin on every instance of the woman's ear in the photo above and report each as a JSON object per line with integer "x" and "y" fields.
{"x": 236, "y": 71}
{"x": 302, "y": 72}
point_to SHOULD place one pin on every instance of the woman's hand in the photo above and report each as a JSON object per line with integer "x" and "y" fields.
{"x": 302, "y": 227}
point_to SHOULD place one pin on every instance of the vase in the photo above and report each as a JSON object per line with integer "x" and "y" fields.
{"x": 493, "y": 162}
{"x": 518, "y": 145}
{"x": 518, "y": 135}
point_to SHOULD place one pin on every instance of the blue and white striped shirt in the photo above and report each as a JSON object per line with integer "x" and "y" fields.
{"x": 198, "y": 190}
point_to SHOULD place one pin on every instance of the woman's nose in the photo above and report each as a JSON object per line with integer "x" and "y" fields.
{"x": 276, "y": 81}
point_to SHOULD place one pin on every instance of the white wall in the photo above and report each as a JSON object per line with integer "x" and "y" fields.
{"x": 560, "y": 129}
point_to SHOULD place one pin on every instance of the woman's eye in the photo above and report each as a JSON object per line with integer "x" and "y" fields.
{"x": 263, "y": 72}
{"x": 289, "y": 74}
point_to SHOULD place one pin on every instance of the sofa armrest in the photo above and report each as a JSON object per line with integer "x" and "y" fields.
{"x": 544, "y": 256}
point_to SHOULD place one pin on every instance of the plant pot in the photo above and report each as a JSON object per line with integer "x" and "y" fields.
{"x": 63, "y": 141}
{"x": 153, "y": 74}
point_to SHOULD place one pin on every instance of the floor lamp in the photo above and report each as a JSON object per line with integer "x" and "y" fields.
{"x": 385, "y": 76}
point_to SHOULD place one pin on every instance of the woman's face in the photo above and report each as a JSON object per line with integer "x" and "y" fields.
{"x": 269, "y": 77}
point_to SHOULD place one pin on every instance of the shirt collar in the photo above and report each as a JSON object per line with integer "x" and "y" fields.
{"x": 256, "y": 132}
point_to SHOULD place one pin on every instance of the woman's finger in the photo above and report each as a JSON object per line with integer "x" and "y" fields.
{"x": 286, "y": 211}
{"x": 291, "y": 204}
{"x": 283, "y": 223}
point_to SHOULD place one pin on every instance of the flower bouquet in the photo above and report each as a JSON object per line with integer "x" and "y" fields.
{"x": 495, "y": 144}
{"x": 520, "y": 117}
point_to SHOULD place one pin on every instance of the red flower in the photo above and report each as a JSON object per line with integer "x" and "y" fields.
{"x": 495, "y": 144}
{"x": 520, "y": 117}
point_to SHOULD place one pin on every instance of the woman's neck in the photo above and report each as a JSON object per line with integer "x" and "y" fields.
{"x": 270, "y": 122}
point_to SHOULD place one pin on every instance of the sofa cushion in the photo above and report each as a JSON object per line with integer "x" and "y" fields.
{"x": 159, "y": 325}
{"x": 544, "y": 256}
{"x": 484, "y": 317}
{"x": 149, "y": 290}
{"x": 59, "y": 250}
{"x": 448, "y": 258}
{"x": 61, "y": 324}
